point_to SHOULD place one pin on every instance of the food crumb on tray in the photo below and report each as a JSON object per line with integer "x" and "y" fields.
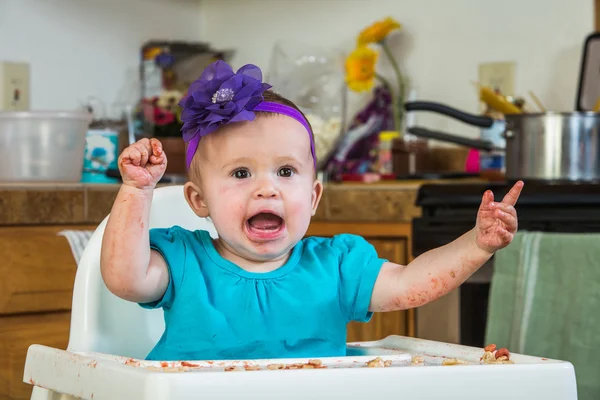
{"x": 379, "y": 363}
{"x": 417, "y": 360}
{"x": 453, "y": 361}
{"x": 311, "y": 364}
{"x": 132, "y": 362}
{"x": 493, "y": 356}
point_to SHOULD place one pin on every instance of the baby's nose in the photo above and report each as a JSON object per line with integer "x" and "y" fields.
{"x": 266, "y": 189}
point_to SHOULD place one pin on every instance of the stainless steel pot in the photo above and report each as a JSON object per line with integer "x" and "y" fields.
{"x": 546, "y": 146}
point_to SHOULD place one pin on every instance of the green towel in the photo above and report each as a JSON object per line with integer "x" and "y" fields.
{"x": 545, "y": 302}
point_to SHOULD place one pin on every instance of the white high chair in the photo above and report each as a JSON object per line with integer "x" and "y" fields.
{"x": 110, "y": 337}
{"x": 104, "y": 323}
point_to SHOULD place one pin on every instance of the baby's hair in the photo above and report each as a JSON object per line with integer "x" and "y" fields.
{"x": 269, "y": 95}
{"x": 273, "y": 97}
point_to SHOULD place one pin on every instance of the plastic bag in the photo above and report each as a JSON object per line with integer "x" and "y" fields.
{"x": 313, "y": 78}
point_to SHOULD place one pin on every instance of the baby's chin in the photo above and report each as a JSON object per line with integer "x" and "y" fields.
{"x": 253, "y": 248}
{"x": 268, "y": 252}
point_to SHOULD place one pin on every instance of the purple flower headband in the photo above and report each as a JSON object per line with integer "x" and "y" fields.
{"x": 221, "y": 96}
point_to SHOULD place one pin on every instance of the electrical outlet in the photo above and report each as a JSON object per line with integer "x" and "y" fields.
{"x": 14, "y": 86}
{"x": 499, "y": 76}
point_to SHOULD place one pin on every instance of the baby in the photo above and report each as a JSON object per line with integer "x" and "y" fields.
{"x": 263, "y": 289}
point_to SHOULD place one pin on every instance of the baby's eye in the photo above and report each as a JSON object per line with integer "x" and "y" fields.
{"x": 285, "y": 172}
{"x": 241, "y": 173}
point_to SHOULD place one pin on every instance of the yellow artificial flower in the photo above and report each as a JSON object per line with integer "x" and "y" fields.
{"x": 377, "y": 31}
{"x": 360, "y": 68}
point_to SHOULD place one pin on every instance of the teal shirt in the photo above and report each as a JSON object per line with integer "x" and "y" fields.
{"x": 214, "y": 309}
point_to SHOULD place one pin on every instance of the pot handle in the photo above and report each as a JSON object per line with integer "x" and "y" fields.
{"x": 471, "y": 119}
{"x": 446, "y": 137}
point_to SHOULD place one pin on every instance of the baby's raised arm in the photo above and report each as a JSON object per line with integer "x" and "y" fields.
{"x": 439, "y": 271}
{"x": 130, "y": 269}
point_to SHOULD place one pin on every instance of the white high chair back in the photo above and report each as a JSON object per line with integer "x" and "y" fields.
{"x": 102, "y": 322}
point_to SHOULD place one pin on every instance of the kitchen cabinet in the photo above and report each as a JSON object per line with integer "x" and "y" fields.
{"x": 17, "y": 333}
{"x": 36, "y": 284}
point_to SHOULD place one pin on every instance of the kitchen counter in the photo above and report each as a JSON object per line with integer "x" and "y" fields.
{"x": 57, "y": 203}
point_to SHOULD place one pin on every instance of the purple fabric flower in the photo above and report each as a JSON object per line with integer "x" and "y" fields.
{"x": 218, "y": 97}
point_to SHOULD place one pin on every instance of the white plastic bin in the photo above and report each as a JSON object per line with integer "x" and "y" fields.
{"x": 42, "y": 145}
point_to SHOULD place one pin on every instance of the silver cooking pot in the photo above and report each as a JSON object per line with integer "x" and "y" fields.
{"x": 545, "y": 146}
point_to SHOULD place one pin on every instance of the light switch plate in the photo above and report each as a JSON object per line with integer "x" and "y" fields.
{"x": 498, "y": 75}
{"x": 14, "y": 86}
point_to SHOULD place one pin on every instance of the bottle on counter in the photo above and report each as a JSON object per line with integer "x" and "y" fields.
{"x": 386, "y": 138}
{"x": 493, "y": 163}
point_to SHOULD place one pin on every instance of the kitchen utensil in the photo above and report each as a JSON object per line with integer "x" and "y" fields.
{"x": 537, "y": 101}
{"x": 42, "y": 145}
{"x": 547, "y": 146}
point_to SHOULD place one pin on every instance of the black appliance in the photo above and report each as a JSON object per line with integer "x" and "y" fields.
{"x": 449, "y": 210}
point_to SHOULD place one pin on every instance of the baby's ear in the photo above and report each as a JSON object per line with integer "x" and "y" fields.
{"x": 316, "y": 195}
{"x": 195, "y": 198}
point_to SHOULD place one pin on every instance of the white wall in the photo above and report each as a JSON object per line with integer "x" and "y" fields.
{"x": 441, "y": 46}
{"x": 81, "y": 48}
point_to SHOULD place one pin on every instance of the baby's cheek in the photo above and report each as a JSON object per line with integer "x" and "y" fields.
{"x": 224, "y": 190}
{"x": 226, "y": 203}
{"x": 230, "y": 207}
{"x": 299, "y": 210}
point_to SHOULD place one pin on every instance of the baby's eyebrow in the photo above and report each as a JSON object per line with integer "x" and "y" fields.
{"x": 290, "y": 159}
{"x": 237, "y": 161}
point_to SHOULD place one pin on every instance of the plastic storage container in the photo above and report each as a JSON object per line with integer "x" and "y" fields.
{"x": 493, "y": 163}
{"x": 101, "y": 154}
{"x": 42, "y": 145}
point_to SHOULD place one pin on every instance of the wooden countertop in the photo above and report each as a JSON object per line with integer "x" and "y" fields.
{"x": 77, "y": 203}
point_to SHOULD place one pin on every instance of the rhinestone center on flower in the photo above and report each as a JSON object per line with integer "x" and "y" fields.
{"x": 223, "y": 95}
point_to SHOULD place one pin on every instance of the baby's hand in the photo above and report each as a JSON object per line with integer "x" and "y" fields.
{"x": 143, "y": 163}
{"x": 497, "y": 222}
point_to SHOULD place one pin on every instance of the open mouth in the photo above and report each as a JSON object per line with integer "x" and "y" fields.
{"x": 265, "y": 224}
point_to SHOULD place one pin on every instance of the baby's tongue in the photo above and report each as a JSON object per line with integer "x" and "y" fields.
{"x": 265, "y": 221}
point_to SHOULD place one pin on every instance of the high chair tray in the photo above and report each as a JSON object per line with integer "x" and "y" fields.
{"x": 400, "y": 367}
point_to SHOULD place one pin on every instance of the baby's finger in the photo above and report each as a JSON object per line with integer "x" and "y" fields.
{"x": 487, "y": 199}
{"x": 131, "y": 155}
{"x": 513, "y": 194}
{"x": 505, "y": 236}
{"x": 507, "y": 208}
{"x": 144, "y": 154}
{"x": 156, "y": 147}
{"x": 157, "y": 160}
{"x": 508, "y": 220}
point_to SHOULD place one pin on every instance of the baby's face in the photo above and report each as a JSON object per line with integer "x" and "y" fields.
{"x": 258, "y": 182}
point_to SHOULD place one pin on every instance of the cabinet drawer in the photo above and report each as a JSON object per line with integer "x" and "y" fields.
{"x": 17, "y": 333}
{"x": 37, "y": 269}
{"x": 379, "y": 327}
